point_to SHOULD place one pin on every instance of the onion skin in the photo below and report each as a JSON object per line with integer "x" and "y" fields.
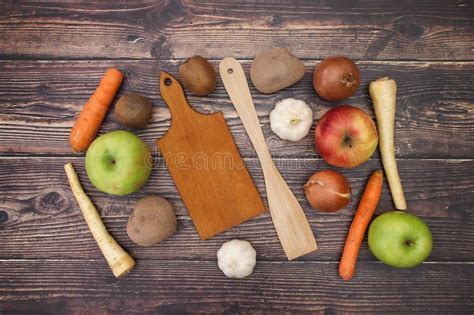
{"x": 336, "y": 78}
{"x": 328, "y": 191}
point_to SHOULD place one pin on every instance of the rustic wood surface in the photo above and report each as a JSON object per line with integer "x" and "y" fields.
{"x": 51, "y": 58}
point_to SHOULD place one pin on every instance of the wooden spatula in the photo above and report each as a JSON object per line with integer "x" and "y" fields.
{"x": 206, "y": 165}
{"x": 288, "y": 217}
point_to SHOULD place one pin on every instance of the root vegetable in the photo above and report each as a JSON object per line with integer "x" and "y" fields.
{"x": 384, "y": 95}
{"x": 152, "y": 221}
{"x": 88, "y": 123}
{"x": 275, "y": 69}
{"x": 118, "y": 259}
{"x": 359, "y": 225}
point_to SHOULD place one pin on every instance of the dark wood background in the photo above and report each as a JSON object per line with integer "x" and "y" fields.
{"x": 53, "y": 54}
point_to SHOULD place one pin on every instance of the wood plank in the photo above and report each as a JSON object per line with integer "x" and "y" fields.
{"x": 49, "y": 262}
{"x": 170, "y": 287}
{"x": 40, "y": 219}
{"x": 441, "y": 30}
{"x": 39, "y": 100}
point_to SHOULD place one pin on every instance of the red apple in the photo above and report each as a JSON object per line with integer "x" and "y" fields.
{"x": 346, "y": 136}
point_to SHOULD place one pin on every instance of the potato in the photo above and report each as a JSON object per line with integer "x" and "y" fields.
{"x": 153, "y": 220}
{"x": 133, "y": 110}
{"x": 198, "y": 75}
{"x": 275, "y": 69}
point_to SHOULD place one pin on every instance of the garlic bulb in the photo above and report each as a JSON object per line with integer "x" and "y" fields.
{"x": 291, "y": 119}
{"x": 236, "y": 258}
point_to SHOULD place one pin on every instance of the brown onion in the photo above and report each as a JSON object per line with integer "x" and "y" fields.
{"x": 336, "y": 78}
{"x": 328, "y": 191}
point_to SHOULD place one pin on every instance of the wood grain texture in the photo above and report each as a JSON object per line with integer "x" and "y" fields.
{"x": 441, "y": 30}
{"x": 40, "y": 99}
{"x": 40, "y": 216}
{"x": 53, "y": 54}
{"x": 206, "y": 166}
{"x": 175, "y": 287}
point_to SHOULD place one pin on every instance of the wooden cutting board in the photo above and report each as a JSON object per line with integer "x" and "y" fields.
{"x": 206, "y": 165}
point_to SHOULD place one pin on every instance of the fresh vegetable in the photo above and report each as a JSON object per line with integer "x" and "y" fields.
{"x": 118, "y": 162}
{"x": 384, "y": 97}
{"x": 86, "y": 126}
{"x": 291, "y": 119}
{"x": 198, "y": 75}
{"x": 346, "y": 136}
{"x": 236, "y": 259}
{"x": 359, "y": 225}
{"x": 336, "y": 78}
{"x": 400, "y": 239}
{"x": 275, "y": 69}
{"x": 133, "y": 110}
{"x": 153, "y": 220}
{"x": 119, "y": 261}
{"x": 328, "y": 191}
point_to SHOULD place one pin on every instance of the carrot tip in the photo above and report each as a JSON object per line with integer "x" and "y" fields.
{"x": 345, "y": 277}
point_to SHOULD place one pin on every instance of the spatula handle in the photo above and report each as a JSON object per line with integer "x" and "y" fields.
{"x": 236, "y": 85}
{"x": 290, "y": 222}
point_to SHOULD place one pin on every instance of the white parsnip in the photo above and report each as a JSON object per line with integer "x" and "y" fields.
{"x": 384, "y": 97}
{"x": 118, "y": 259}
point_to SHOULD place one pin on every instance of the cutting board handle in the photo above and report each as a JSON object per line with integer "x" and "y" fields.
{"x": 173, "y": 94}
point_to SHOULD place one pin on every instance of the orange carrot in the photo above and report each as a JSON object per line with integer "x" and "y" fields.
{"x": 364, "y": 213}
{"x": 86, "y": 126}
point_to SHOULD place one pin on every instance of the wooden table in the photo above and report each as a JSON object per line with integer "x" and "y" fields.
{"x": 53, "y": 55}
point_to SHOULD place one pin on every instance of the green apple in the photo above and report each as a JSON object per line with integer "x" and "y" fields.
{"x": 118, "y": 162}
{"x": 400, "y": 239}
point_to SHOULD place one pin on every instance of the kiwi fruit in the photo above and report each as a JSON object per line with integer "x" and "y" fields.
{"x": 198, "y": 75}
{"x": 133, "y": 110}
{"x": 153, "y": 220}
